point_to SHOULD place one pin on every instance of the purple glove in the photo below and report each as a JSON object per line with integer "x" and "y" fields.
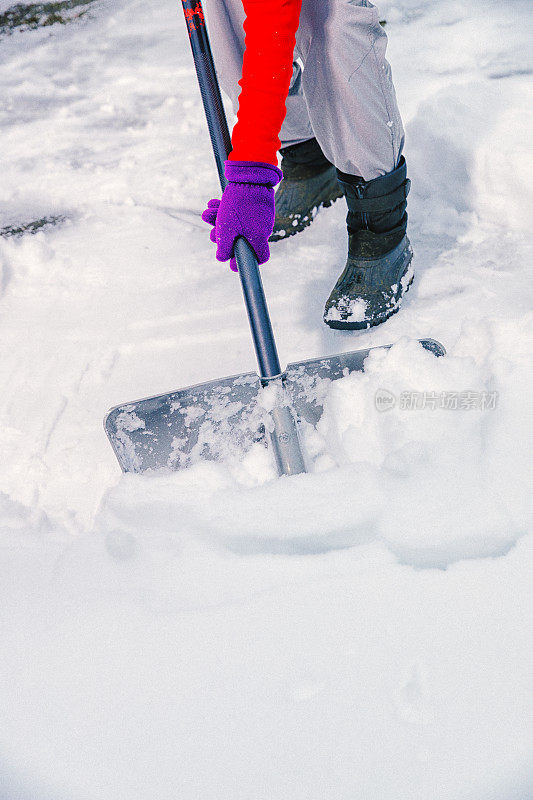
{"x": 246, "y": 209}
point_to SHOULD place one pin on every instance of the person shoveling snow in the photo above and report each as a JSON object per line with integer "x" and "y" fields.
{"x": 316, "y": 83}
{"x": 176, "y": 429}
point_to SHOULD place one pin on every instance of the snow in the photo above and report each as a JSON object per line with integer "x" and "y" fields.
{"x": 359, "y": 631}
{"x": 353, "y": 310}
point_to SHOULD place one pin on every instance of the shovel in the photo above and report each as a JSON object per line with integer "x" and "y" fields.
{"x": 224, "y": 418}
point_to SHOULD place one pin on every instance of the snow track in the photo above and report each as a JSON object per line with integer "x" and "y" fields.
{"x": 359, "y": 632}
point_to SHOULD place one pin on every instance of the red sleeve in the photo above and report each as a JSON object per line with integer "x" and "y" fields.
{"x": 270, "y": 36}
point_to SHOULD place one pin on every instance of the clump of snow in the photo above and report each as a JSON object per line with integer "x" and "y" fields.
{"x": 403, "y": 477}
{"x": 348, "y": 310}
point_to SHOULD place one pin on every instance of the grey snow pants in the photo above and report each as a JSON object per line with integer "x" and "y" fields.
{"x": 341, "y": 89}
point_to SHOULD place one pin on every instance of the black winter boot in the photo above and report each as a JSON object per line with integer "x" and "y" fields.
{"x": 309, "y": 182}
{"x": 377, "y": 271}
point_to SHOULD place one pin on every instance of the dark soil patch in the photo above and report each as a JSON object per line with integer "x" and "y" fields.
{"x": 41, "y": 15}
{"x": 20, "y": 229}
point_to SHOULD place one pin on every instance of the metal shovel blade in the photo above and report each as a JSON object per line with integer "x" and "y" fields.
{"x": 222, "y": 418}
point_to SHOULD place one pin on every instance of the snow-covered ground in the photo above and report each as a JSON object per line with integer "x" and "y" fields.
{"x": 361, "y": 632}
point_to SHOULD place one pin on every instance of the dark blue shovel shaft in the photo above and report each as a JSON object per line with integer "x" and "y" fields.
{"x": 258, "y": 316}
{"x": 252, "y": 287}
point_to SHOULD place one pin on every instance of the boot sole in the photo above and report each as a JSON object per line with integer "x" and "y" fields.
{"x": 339, "y": 325}
{"x": 303, "y": 222}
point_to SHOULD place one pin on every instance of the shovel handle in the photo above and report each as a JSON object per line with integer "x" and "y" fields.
{"x": 252, "y": 287}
